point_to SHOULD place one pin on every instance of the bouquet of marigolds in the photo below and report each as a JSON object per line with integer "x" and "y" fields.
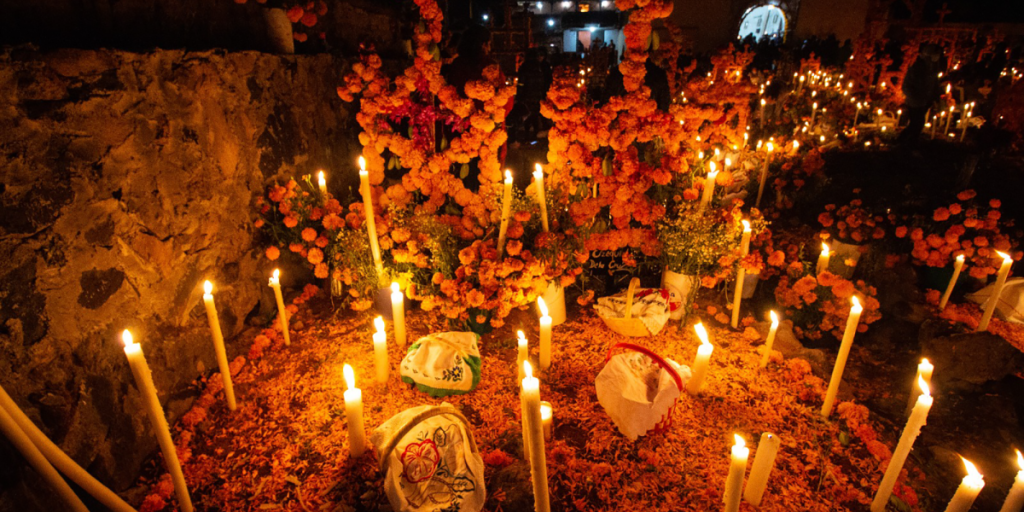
{"x": 704, "y": 244}
{"x": 851, "y": 223}
{"x": 820, "y": 304}
{"x": 963, "y": 227}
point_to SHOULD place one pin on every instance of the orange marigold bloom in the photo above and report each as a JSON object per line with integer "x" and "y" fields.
{"x": 955, "y": 209}
{"x": 777, "y": 259}
{"x": 995, "y": 203}
{"x": 315, "y": 256}
{"x": 295, "y": 247}
{"x": 291, "y": 221}
{"x": 320, "y": 271}
{"x": 825, "y": 219}
{"x": 309, "y": 234}
{"x": 966, "y": 195}
{"x": 941, "y": 214}
{"x": 273, "y": 253}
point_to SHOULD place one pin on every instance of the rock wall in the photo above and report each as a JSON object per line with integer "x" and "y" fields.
{"x": 125, "y": 181}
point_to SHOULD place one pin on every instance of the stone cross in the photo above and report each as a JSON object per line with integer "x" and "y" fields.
{"x": 943, "y": 12}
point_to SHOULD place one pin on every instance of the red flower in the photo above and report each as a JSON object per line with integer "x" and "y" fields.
{"x": 295, "y": 14}
{"x": 273, "y": 253}
{"x": 308, "y": 19}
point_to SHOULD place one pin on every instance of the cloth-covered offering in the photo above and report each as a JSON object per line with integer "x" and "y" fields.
{"x": 650, "y": 306}
{"x": 443, "y": 364}
{"x": 637, "y": 393}
{"x": 1011, "y": 301}
{"x": 434, "y": 466}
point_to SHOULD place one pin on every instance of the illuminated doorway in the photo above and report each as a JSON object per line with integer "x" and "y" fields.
{"x": 763, "y": 21}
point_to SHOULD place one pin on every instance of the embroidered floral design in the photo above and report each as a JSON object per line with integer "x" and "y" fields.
{"x": 420, "y": 461}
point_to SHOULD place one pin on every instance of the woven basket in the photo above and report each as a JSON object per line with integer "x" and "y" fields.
{"x": 628, "y": 326}
{"x": 666, "y": 420}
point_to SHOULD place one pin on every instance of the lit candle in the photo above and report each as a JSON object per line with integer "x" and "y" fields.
{"x": 761, "y": 119}
{"x": 218, "y": 344}
{"x": 545, "y": 335}
{"x": 764, "y": 462}
{"x": 770, "y": 340}
{"x": 822, "y": 259}
{"x": 924, "y": 372}
{"x": 282, "y": 313}
{"x": 1015, "y": 500}
{"x": 506, "y": 208}
{"x": 144, "y": 381}
{"x": 354, "y": 415}
{"x": 801, "y": 86}
{"x": 899, "y": 115}
{"x": 918, "y": 418}
{"x": 969, "y": 488}
{"x": 814, "y": 112}
{"x": 764, "y": 173}
{"x": 949, "y": 118}
{"x": 965, "y": 120}
{"x": 538, "y": 176}
{"x": 371, "y": 221}
{"x": 856, "y": 116}
{"x": 546, "y": 415}
{"x": 709, "y": 187}
{"x": 35, "y": 458}
{"x": 734, "y": 481}
{"x": 322, "y": 181}
{"x": 534, "y": 426}
{"x": 990, "y": 304}
{"x": 380, "y": 351}
{"x": 523, "y": 352}
{"x": 844, "y": 353}
{"x": 398, "y": 314}
{"x": 958, "y": 265}
{"x": 700, "y": 363}
{"x": 741, "y": 273}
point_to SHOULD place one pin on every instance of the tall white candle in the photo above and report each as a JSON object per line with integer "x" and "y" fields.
{"x": 380, "y": 351}
{"x": 534, "y": 425}
{"x": 398, "y": 314}
{"x": 823, "y": 259}
{"x": 844, "y": 353}
{"x": 354, "y": 414}
{"x": 506, "y": 212}
{"x": 993, "y": 300}
{"x": 282, "y": 313}
{"x": 1015, "y": 500}
{"x": 523, "y": 352}
{"x": 734, "y": 481}
{"x": 949, "y": 118}
{"x": 918, "y": 418}
{"x": 737, "y": 296}
{"x": 218, "y": 344}
{"x": 322, "y": 182}
{"x": 764, "y": 462}
{"x": 958, "y": 265}
{"x": 770, "y": 340}
{"x": 545, "y": 335}
{"x": 965, "y": 121}
{"x": 371, "y": 221}
{"x": 144, "y": 380}
{"x": 700, "y": 362}
{"x": 35, "y": 458}
{"x": 969, "y": 488}
{"x": 764, "y": 173}
{"x": 924, "y": 372}
{"x": 709, "y": 187}
{"x": 538, "y": 176}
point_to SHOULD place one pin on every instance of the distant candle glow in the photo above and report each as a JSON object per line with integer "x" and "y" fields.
{"x": 350, "y": 377}
{"x": 362, "y": 164}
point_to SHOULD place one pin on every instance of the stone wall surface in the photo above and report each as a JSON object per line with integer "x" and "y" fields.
{"x": 126, "y": 180}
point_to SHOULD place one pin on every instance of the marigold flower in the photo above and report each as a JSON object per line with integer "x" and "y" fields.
{"x": 273, "y": 253}
{"x": 291, "y": 221}
{"x": 941, "y": 214}
{"x": 315, "y": 256}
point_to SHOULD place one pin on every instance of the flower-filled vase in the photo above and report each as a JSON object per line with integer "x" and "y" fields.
{"x": 279, "y": 31}
{"x": 750, "y": 285}
{"x": 681, "y": 288}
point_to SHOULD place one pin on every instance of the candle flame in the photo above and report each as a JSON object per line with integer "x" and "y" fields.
{"x": 527, "y": 370}
{"x": 746, "y": 225}
{"x": 543, "y": 306}
{"x": 522, "y": 337}
{"x": 1020, "y": 460}
{"x": 126, "y": 337}
{"x": 728, "y": 162}
{"x": 925, "y": 388}
{"x": 362, "y": 164}
{"x": 395, "y": 288}
{"x": 815, "y": 105}
{"x": 508, "y": 176}
{"x": 717, "y": 152}
{"x": 711, "y": 165}
{"x": 796, "y": 144}
{"x": 538, "y": 171}
{"x": 1004, "y": 256}
{"x": 740, "y": 443}
{"x": 207, "y": 287}
{"x": 856, "y": 303}
{"x": 763, "y": 102}
{"x": 771, "y": 147}
{"x": 321, "y": 179}
{"x": 971, "y": 470}
{"x": 545, "y": 411}
{"x": 350, "y": 377}
{"x": 774, "y": 317}
{"x": 824, "y": 249}
{"x": 701, "y": 333}
{"x": 379, "y": 323}
{"x": 277, "y": 273}
{"x": 960, "y": 258}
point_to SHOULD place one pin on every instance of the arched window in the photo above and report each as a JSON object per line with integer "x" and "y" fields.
{"x": 763, "y": 21}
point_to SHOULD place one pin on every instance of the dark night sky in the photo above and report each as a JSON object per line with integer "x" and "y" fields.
{"x": 977, "y": 11}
